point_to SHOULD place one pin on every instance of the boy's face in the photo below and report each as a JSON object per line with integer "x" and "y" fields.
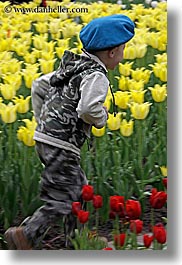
{"x": 115, "y": 56}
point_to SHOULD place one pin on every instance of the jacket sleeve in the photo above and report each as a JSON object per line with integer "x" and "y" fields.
{"x": 39, "y": 89}
{"x": 93, "y": 88}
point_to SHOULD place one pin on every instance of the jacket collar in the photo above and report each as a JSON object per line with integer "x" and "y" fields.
{"x": 95, "y": 58}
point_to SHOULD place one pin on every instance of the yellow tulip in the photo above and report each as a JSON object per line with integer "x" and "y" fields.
{"x": 64, "y": 43}
{"x": 122, "y": 99}
{"x": 38, "y": 2}
{"x": 126, "y": 127}
{"x": 5, "y": 45}
{"x": 161, "y": 58}
{"x": 26, "y": 136}
{"x": 47, "y": 66}
{"x": 30, "y": 58}
{"x": 159, "y": 93}
{"x": 30, "y": 124}
{"x": 8, "y": 113}
{"x": 42, "y": 17}
{"x": 60, "y": 51}
{"x": 125, "y": 69}
{"x": 98, "y": 132}
{"x": 56, "y": 36}
{"x": 141, "y": 74}
{"x": 25, "y": 26}
{"x": 13, "y": 66}
{"x": 140, "y": 111}
{"x": 138, "y": 96}
{"x": 162, "y": 41}
{"x": 164, "y": 171}
{"x": 7, "y": 91}
{"x": 54, "y": 26}
{"x": 49, "y": 47}
{"x": 153, "y": 39}
{"x": 47, "y": 56}
{"x": 5, "y": 56}
{"x": 41, "y": 27}
{"x": 123, "y": 83}
{"x": 135, "y": 85}
{"x": 29, "y": 78}
{"x": 21, "y": 49}
{"x": 31, "y": 68}
{"x": 39, "y": 42}
{"x": 36, "y": 53}
{"x": 160, "y": 70}
{"x": 107, "y": 102}
{"x": 130, "y": 52}
{"x": 157, "y": 40}
{"x": 70, "y": 29}
{"x": 114, "y": 123}
{"x": 139, "y": 9}
{"x": 141, "y": 50}
{"x": 23, "y": 104}
{"x": 14, "y": 80}
{"x": 26, "y": 133}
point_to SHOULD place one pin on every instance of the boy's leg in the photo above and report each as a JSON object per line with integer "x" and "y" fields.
{"x": 62, "y": 181}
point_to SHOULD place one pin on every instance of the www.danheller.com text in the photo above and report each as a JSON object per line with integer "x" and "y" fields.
{"x": 47, "y": 9}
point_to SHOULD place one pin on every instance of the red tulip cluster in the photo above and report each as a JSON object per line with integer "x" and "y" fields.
{"x": 159, "y": 233}
{"x": 129, "y": 209}
{"x": 87, "y": 195}
{"x": 158, "y": 199}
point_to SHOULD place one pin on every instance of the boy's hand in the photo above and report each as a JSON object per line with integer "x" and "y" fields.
{"x": 106, "y": 110}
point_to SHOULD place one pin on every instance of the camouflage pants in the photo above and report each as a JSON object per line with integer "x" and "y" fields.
{"x": 61, "y": 184}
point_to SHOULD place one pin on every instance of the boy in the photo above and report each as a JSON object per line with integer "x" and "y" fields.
{"x": 66, "y": 104}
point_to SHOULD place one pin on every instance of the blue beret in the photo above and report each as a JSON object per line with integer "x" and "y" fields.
{"x": 107, "y": 32}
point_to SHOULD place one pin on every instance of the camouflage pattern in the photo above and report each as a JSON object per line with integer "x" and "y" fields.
{"x": 61, "y": 184}
{"x": 58, "y": 118}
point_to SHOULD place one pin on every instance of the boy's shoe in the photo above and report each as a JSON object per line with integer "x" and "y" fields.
{"x": 16, "y": 239}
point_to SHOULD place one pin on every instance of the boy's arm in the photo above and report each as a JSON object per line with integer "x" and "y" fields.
{"x": 39, "y": 89}
{"x": 94, "y": 88}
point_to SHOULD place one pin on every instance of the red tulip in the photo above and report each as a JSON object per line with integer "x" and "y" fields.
{"x": 147, "y": 240}
{"x": 112, "y": 215}
{"x": 97, "y": 201}
{"x": 164, "y": 181}
{"x": 133, "y": 209}
{"x": 158, "y": 199}
{"x": 87, "y": 193}
{"x": 44, "y": 4}
{"x": 83, "y": 216}
{"x": 76, "y": 207}
{"x": 119, "y": 240}
{"x": 159, "y": 233}
{"x": 116, "y": 203}
{"x": 107, "y": 248}
{"x": 136, "y": 226}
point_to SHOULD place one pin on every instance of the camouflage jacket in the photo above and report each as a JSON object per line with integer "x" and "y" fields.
{"x": 60, "y": 122}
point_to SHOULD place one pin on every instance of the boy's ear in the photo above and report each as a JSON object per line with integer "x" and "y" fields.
{"x": 111, "y": 52}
